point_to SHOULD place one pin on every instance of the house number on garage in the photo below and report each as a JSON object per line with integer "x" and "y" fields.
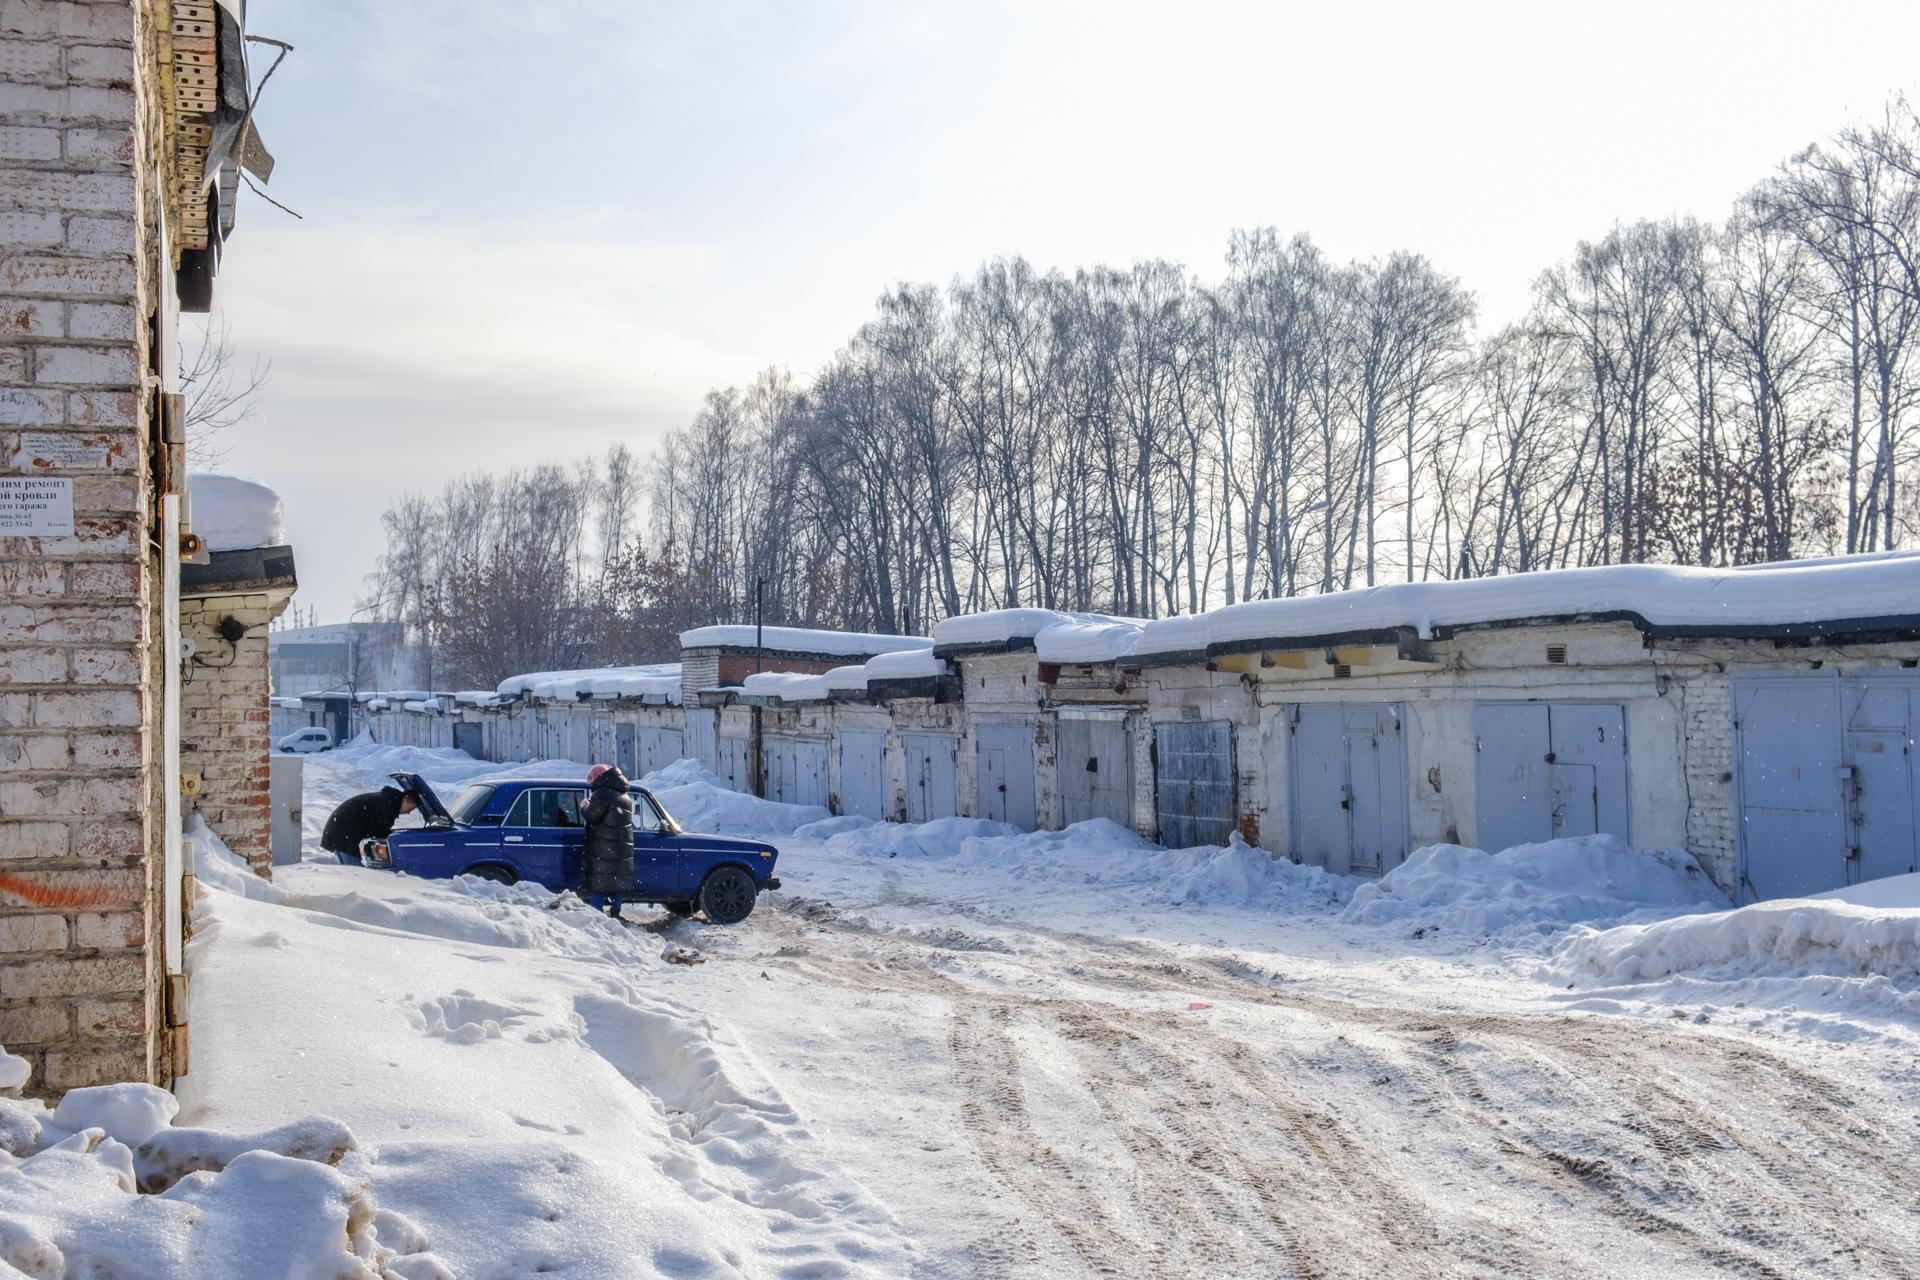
{"x": 33, "y": 507}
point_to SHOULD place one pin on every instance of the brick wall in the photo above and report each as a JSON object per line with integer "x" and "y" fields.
{"x": 79, "y": 616}
{"x": 1707, "y": 720}
{"x": 226, "y": 724}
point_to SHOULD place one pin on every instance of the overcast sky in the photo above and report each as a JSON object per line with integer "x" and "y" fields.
{"x": 532, "y": 230}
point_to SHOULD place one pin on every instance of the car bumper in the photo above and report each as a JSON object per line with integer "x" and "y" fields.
{"x": 771, "y": 882}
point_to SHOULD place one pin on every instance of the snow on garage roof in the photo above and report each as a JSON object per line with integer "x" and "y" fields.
{"x": 659, "y": 681}
{"x": 800, "y": 640}
{"x": 231, "y": 514}
{"x": 1014, "y": 630}
{"x": 1832, "y": 596}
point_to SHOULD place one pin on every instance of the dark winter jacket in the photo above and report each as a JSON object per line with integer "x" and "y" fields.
{"x": 608, "y": 813}
{"x": 371, "y": 815}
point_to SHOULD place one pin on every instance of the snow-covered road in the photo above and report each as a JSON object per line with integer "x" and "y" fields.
{"x": 949, "y": 1052}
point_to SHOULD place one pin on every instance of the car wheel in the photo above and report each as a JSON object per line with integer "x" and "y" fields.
{"x": 497, "y": 874}
{"x": 727, "y": 896}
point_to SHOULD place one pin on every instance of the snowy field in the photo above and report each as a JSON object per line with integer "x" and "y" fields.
{"x": 954, "y": 1050}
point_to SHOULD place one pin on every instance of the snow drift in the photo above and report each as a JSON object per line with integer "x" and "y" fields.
{"x": 1795, "y": 937}
{"x": 231, "y": 514}
{"x": 1534, "y": 889}
{"x": 104, "y": 1186}
{"x": 1098, "y": 853}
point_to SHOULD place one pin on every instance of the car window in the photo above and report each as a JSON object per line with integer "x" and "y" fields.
{"x": 474, "y": 799}
{"x": 644, "y": 816}
{"x": 546, "y": 807}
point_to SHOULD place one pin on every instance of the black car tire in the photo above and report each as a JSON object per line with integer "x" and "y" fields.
{"x": 727, "y": 896}
{"x": 494, "y": 872}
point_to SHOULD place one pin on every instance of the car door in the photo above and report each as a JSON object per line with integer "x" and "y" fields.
{"x": 655, "y": 869}
{"x": 543, "y": 833}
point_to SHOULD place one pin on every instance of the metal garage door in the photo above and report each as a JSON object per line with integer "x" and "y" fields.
{"x": 1194, "y": 791}
{"x": 470, "y": 738}
{"x": 1824, "y": 780}
{"x": 626, "y": 750}
{"x": 703, "y": 737}
{"x": 796, "y": 771}
{"x": 1349, "y": 787}
{"x": 863, "y": 787}
{"x": 1005, "y": 775}
{"x": 658, "y": 748}
{"x": 580, "y": 739}
{"x": 1548, "y": 769}
{"x": 931, "y": 758}
{"x": 1096, "y": 769}
{"x": 733, "y": 763}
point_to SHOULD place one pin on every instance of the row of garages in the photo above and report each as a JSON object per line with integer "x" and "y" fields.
{"x": 1779, "y": 754}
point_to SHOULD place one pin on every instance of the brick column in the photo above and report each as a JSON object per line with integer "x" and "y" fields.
{"x": 79, "y": 615}
{"x": 225, "y": 721}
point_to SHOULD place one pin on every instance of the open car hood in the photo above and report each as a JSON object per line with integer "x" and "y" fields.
{"x": 432, "y": 812}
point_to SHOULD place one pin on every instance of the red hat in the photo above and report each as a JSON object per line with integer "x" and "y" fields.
{"x": 593, "y": 774}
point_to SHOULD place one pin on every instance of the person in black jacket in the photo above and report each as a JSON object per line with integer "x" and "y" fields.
{"x": 606, "y": 874}
{"x": 364, "y": 817}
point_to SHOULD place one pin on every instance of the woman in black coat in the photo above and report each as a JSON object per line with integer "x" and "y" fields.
{"x": 607, "y": 871}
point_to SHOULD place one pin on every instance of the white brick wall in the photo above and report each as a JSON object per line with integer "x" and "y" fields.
{"x": 79, "y": 616}
{"x": 226, "y": 723}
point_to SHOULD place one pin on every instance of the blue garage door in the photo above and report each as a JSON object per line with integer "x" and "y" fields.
{"x": 863, "y": 790}
{"x": 1824, "y": 780}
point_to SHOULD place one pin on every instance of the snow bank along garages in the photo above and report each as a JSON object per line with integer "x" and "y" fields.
{"x": 722, "y": 732}
{"x": 1761, "y": 717}
{"x": 629, "y": 716}
{"x": 1052, "y": 730}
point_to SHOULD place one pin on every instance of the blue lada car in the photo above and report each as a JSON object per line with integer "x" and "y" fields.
{"x": 530, "y": 829}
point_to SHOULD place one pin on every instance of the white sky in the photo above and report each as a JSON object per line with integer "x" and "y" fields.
{"x": 532, "y": 230}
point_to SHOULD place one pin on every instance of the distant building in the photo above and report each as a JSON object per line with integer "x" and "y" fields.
{"x": 343, "y": 657}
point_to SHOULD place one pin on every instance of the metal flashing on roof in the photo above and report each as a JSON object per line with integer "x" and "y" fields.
{"x": 1878, "y": 629}
{"x": 234, "y": 573}
{"x": 984, "y": 648}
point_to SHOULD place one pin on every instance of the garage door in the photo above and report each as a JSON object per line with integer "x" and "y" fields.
{"x": 930, "y": 775}
{"x": 1096, "y": 769}
{"x": 658, "y": 748}
{"x": 863, "y": 790}
{"x": 796, "y": 771}
{"x": 1349, "y": 787}
{"x": 1544, "y": 770}
{"x": 1824, "y": 780}
{"x": 1193, "y": 783}
{"x": 733, "y": 763}
{"x": 703, "y": 737}
{"x": 1005, "y": 777}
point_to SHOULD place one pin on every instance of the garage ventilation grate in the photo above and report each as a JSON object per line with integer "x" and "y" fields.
{"x": 1343, "y": 672}
{"x": 1557, "y": 655}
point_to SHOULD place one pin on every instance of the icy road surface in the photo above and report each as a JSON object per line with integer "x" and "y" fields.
{"x": 1170, "y": 1067}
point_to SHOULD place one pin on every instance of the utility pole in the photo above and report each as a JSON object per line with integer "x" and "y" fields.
{"x": 756, "y": 745}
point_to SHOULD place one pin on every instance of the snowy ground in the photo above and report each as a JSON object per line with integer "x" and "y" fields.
{"x": 953, "y": 1051}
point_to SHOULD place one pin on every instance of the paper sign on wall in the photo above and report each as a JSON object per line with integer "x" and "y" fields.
{"x": 49, "y": 449}
{"x": 33, "y": 507}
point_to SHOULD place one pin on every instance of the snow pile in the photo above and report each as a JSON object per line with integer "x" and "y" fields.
{"x": 1088, "y": 640}
{"x": 231, "y": 514}
{"x": 912, "y": 664}
{"x": 659, "y": 682}
{"x": 700, "y": 800}
{"x": 1833, "y": 589}
{"x": 104, "y": 1185}
{"x": 1100, "y": 853}
{"x": 1055, "y": 636}
{"x": 1811, "y": 957}
{"x": 788, "y": 686}
{"x": 1532, "y": 889}
{"x": 800, "y": 640}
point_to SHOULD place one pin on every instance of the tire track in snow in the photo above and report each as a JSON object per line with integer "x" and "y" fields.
{"x": 1677, "y": 1148}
